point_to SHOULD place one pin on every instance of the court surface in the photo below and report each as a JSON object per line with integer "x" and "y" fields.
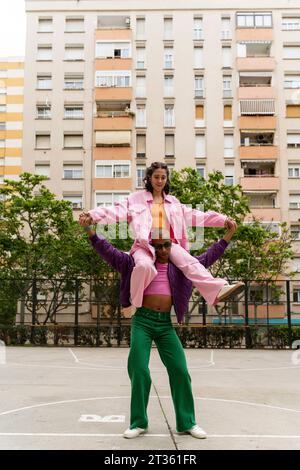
{"x": 78, "y": 398}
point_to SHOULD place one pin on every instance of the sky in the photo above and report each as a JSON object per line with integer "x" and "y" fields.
{"x": 12, "y": 28}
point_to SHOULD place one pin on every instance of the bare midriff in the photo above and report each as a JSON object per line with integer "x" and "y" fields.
{"x": 158, "y": 302}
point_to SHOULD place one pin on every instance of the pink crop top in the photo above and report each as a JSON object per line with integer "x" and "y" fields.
{"x": 160, "y": 284}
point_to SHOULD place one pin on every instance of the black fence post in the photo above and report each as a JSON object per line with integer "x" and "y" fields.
{"x": 247, "y": 332}
{"x": 204, "y": 313}
{"x": 288, "y": 311}
{"x": 76, "y": 312}
{"x": 34, "y": 301}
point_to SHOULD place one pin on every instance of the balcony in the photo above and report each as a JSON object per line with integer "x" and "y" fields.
{"x": 113, "y": 93}
{"x": 112, "y": 184}
{"x": 254, "y": 34}
{"x": 257, "y": 122}
{"x": 272, "y": 310}
{"x": 257, "y": 151}
{"x": 113, "y": 63}
{"x": 120, "y": 153}
{"x": 255, "y": 63}
{"x": 260, "y": 183}
{"x": 264, "y": 213}
{"x": 123, "y": 122}
{"x": 254, "y": 92}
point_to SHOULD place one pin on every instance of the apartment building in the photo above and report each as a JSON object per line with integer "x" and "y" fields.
{"x": 11, "y": 116}
{"x": 112, "y": 86}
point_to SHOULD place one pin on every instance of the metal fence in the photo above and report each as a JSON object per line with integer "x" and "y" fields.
{"x": 88, "y": 312}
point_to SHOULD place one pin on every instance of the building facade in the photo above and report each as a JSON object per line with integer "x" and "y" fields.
{"x": 112, "y": 86}
{"x": 11, "y": 116}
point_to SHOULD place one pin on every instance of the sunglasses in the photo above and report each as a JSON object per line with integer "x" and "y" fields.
{"x": 160, "y": 246}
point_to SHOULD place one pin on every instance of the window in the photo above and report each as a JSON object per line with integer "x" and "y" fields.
{"x": 110, "y": 50}
{"x": 168, "y": 58}
{"x": 199, "y": 115}
{"x": 2, "y": 108}
{"x": 2, "y": 143}
{"x": 169, "y": 146}
{"x": 228, "y": 113}
{"x": 254, "y": 20}
{"x": 140, "y": 28}
{"x": 198, "y": 57}
{"x": 226, "y": 28}
{"x": 75, "y": 200}
{"x": 42, "y": 141}
{"x": 141, "y": 115}
{"x": 168, "y": 28}
{"x": 226, "y": 55}
{"x": 291, "y": 52}
{"x": 198, "y": 28}
{"x": 73, "y": 140}
{"x": 44, "y": 82}
{"x": 199, "y": 87}
{"x": 113, "y": 78}
{"x": 296, "y": 263}
{"x": 169, "y": 117}
{"x": 107, "y": 199}
{"x": 140, "y": 175}
{"x": 291, "y": 24}
{"x": 42, "y": 170}
{"x": 293, "y": 110}
{"x": 74, "y": 25}
{"x": 113, "y": 169}
{"x": 229, "y": 175}
{"x": 257, "y": 107}
{"x": 200, "y": 146}
{"x": 294, "y": 201}
{"x": 140, "y": 86}
{"x": 141, "y": 58}
{"x": 227, "y": 92}
{"x": 44, "y": 52}
{"x": 73, "y": 172}
{"x": 141, "y": 146}
{"x": 73, "y": 82}
{"x": 296, "y": 296}
{"x": 73, "y": 111}
{"x": 201, "y": 170}
{"x": 169, "y": 86}
{"x": 74, "y": 52}
{"x": 45, "y": 25}
{"x": 295, "y": 232}
{"x": 293, "y": 140}
{"x": 228, "y": 145}
{"x": 294, "y": 171}
{"x": 2, "y": 126}
{"x": 2, "y": 90}
{"x": 292, "y": 81}
{"x": 3, "y": 73}
{"x": 43, "y": 111}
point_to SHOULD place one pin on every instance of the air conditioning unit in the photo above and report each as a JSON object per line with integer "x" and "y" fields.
{"x": 127, "y": 21}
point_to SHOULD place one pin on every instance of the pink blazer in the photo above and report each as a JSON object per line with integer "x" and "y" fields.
{"x": 136, "y": 210}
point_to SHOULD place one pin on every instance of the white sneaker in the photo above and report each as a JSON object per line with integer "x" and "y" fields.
{"x": 135, "y": 432}
{"x": 197, "y": 432}
{"x": 228, "y": 290}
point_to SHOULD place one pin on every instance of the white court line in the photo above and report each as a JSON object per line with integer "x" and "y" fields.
{"x": 222, "y": 436}
{"x": 74, "y": 355}
{"x": 41, "y": 405}
{"x": 107, "y": 368}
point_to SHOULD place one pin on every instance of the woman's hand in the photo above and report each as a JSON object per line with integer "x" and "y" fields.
{"x": 85, "y": 219}
{"x": 231, "y": 226}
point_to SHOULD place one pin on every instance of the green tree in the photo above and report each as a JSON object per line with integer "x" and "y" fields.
{"x": 256, "y": 252}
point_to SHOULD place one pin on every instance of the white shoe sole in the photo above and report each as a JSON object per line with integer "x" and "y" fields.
{"x": 236, "y": 289}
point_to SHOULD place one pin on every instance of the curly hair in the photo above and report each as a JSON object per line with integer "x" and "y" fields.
{"x": 149, "y": 172}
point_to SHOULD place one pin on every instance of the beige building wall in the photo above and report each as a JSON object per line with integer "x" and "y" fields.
{"x": 217, "y": 21}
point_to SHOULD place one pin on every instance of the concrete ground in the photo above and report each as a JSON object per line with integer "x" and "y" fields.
{"x": 78, "y": 398}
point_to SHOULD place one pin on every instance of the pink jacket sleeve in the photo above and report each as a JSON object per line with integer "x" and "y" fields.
{"x": 111, "y": 215}
{"x": 196, "y": 218}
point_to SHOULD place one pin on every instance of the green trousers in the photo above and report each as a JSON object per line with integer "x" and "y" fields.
{"x": 147, "y": 326}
